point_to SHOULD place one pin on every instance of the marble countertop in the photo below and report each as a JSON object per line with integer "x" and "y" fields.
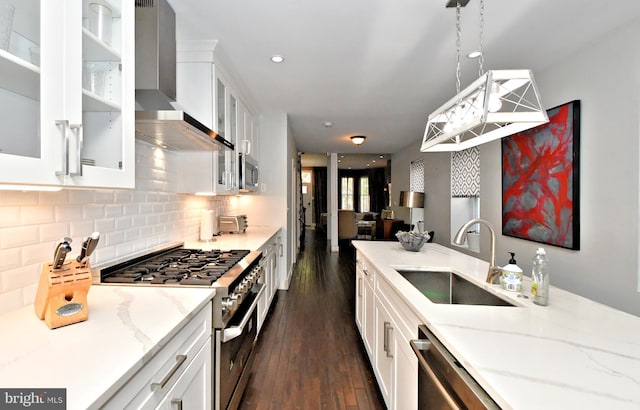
{"x": 127, "y": 325}
{"x": 253, "y": 239}
{"x": 574, "y": 353}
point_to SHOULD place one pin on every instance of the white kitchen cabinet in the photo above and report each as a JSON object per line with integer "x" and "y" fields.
{"x": 365, "y": 304}
{"x": 57, "y": 128}
{"x": 250, "y": 133}
{"x": 386, "y": 325}
{"x": 271, "y": 252}
{"x": 180, "y": 373}
{"x": 383, "y": 352}
{"x": 192, "y": 389}
{"x": 203, "y": 91}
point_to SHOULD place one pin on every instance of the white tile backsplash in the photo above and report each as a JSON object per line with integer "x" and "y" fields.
{"x": 10, "y": 258}
{"x": 19, "y": 236}
{"x": 18, "y": 198}
{"x": 51, "y": 231}
{"x": 10, "y": 216}
{"x": 129, "y": 221}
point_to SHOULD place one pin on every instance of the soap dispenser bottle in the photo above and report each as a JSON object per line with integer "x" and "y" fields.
{"x": 512, "y": 275}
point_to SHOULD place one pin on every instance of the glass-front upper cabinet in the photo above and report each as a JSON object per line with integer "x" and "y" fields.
{"x": 67, "y": 93}
{"x": 226, "y": 114}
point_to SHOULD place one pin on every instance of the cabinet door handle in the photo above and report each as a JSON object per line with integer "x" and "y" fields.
{"x": 227, "y": 181}
{"x": 177, "y": 404}
{"x": 247, "y": 147}
{"x": 387, "y": 330}
{"x": 77, "y": 128}
{"x": 360, "y": 287}
{"x": 281, "y": 249}
{"x": 181, "y": 358}
{"x": 64, "y": 124}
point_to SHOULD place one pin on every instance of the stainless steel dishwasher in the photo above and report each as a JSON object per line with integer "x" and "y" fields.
{"x": 442, "y": 381}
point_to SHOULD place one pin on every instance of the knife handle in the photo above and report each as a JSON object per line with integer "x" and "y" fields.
{"x": 88, "y": 246}
{"x": 60, "y": 254}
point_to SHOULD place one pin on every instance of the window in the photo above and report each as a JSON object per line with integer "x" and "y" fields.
{"x": 364, "y": 194}
{"x": 346, "y": 197}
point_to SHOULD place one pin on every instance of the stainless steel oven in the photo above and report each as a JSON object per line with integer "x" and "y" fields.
{"x": 442, "y": 381}
{"x": 234, "y": 350}
{"x": 248, "y": 174}
{"x": 236, "y": 276}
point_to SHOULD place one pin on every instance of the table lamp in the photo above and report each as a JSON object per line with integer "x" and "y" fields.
{"x": 411, "y": 199}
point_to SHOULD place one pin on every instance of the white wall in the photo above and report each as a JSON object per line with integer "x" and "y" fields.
{"x": 129, "y": 221}
{"x": 606, "y": 78}
{"x": 273, "y": 207}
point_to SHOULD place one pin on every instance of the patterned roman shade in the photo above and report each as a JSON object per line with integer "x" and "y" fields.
{"x": 416, "y": 176}
{"x": 465, "y": 173}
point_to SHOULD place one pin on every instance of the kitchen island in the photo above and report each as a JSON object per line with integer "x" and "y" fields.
{"x": 94, "y": 359}
{"x": 574, "y": 353}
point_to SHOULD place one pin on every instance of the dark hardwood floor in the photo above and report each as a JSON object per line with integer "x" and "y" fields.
{"x": 309, "y": 354}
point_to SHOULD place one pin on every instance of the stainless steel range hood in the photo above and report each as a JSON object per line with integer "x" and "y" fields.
{"x": 159, "y": 120}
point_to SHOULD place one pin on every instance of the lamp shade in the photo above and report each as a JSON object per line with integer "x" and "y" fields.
{"x": 410, "y": 199}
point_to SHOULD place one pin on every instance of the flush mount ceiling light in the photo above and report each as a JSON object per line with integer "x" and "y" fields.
{"x": 358, "y": 139}
{"x": 474, "y": 54}
{"x": 277, "y": 58}
{"x": 327, "y": 124}
{"x": 499, "y": 103}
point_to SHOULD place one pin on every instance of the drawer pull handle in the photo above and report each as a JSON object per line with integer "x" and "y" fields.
{"x": 387, "y": 329}
{"x": 177, "y": 404}
{"x": 179, "y": 360}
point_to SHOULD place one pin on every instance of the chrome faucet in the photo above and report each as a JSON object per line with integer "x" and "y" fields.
{"x": 462, "y": 235}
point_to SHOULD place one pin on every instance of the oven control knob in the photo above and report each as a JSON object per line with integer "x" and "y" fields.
{"x": 227, "y": 304}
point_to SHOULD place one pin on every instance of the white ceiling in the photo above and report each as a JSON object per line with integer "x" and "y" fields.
{"x": 379, "y": 67}
{"x": 346, "y": 161}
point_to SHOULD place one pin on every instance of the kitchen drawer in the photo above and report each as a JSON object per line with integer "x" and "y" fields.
{"x": 367, "y": 269}
{"x": 143, "y": 389}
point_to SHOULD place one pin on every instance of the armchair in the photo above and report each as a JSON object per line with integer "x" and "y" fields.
{"x": 346, "y": 224}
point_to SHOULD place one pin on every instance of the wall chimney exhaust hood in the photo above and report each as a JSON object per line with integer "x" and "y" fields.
{"x": 159, "y": 119}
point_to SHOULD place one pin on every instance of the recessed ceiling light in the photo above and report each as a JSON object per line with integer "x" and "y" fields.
{"x": 374, "y": 161}
{"x": 277, "y": 58}
{"x": 381, "y": 156}
{"x": 474, "y": 54}
{"x": 327, "y": 124}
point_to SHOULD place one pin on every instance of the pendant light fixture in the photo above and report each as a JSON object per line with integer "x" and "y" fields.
{"x": 499, "y": 103}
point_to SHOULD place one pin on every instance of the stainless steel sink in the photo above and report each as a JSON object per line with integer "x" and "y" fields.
{"x": 449, "y": 288}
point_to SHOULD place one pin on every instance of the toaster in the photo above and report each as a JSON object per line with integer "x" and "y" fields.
{"x": 232, "y": 224}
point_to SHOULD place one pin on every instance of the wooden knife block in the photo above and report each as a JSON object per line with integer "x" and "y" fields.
{"x": 62, "y": 294}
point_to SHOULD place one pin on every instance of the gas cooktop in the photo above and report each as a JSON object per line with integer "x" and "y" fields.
{"x": 176, "y": 266}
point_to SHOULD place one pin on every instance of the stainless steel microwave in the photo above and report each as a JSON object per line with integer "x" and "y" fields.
{"x": 249, "y": 181}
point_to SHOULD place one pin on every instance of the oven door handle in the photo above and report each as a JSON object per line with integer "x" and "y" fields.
{"x": 232, "y": 332}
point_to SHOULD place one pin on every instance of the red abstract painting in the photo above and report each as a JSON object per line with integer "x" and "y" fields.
{"x": 540, "y": 180}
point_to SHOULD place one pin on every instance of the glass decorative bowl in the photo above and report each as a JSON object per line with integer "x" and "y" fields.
{"x": 412, "y": 241}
